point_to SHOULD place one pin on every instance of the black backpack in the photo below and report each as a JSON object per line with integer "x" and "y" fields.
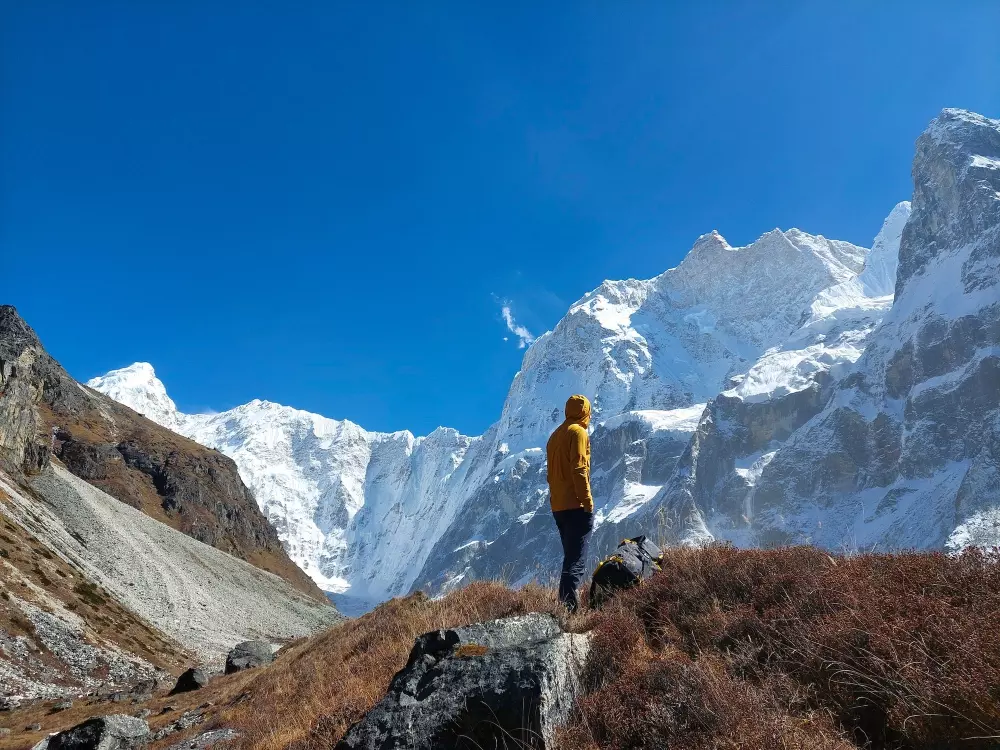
{"x": 634, "y": 561}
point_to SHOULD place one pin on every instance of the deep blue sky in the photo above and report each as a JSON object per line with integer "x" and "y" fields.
{"x": 322, "y": 203}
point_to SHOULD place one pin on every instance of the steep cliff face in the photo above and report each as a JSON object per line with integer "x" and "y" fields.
{"x": 903, "y": 452}
{"x": 22, "y": 447}
{"x": 171, "y": 478}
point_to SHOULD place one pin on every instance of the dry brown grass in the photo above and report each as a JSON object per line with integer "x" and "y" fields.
{"x": 788, "y": 648}
{"x": 793, "y": 648}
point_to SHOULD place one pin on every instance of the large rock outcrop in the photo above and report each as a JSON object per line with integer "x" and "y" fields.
{"x": 504, "y": 683}
{"x": 115, "y": 732}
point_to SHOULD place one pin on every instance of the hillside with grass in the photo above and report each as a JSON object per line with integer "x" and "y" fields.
{"x": 789, "y": 648}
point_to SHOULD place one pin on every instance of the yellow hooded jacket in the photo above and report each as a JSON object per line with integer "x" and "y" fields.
{"x": 568, "y": 454}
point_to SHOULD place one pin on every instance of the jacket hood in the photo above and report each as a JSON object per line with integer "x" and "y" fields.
{"x": 578, "y": 410}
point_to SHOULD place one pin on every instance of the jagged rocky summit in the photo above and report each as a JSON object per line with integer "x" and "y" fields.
{"x": 798, "y": 389}
{"x": 901, "y": 451}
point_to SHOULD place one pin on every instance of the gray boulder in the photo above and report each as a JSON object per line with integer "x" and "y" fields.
{"x": 248, "y": 655}
{"x": 105, "y": 733}
{"x": 193, "y": 679}
{"x": 506, "y": 682}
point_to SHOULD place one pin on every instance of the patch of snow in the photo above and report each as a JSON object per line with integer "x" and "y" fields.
{"x": 683, "y": 420}
{"x": 984, "y": 162}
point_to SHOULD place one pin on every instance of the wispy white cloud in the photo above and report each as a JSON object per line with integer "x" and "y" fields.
{"x": 524, "y": 337}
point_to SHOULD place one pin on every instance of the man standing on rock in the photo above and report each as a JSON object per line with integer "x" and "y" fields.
{"x": 568, "y": 454}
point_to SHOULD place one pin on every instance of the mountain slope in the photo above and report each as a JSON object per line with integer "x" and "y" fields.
{"x": 170, "y": 478}
{"x": 60, "y": 633}
{"x": 96, "y": 595}
{"x": 198, "y": 596}
{"x": 904, "y": 451}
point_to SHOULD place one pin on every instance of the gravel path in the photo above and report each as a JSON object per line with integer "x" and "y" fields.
{"x": 202, "y": 597}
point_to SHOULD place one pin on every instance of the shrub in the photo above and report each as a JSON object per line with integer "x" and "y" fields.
{"x": 795, "y": 648}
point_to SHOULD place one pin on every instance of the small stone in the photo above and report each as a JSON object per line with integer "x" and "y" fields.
{"x": 145, "y": 687}
{"x": 62, "y": 706}
{"x": 33, "y": 728}
{"x": 168, "y": 709}
{"x": 192, "y": 679}
{"x": 9, "y": 704}
{"x": 143, "y": 713}
{"x": 248, "y": 655}
{"x": 4, "y": 732}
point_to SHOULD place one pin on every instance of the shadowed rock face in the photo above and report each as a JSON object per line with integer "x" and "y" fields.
{"x": 497, "y": 684}
{"x": 956, "y": 199}
{"x": 192, "y": 488}
{"x": 21, "y": 446}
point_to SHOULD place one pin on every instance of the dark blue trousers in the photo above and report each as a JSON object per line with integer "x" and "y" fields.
{"x": 574, "y": 530}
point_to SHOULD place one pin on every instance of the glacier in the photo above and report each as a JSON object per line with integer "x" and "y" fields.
{"x": 795, "y": 390}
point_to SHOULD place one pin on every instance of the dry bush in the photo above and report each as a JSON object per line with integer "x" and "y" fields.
{"x": 793, "y": 648}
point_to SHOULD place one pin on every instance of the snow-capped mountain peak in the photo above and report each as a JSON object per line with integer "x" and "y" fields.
{"x": 137, "y": 387}
{"x": 879, "y": 276}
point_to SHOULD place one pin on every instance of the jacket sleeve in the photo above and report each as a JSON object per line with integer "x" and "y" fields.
{"x": 579, "y": 455}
